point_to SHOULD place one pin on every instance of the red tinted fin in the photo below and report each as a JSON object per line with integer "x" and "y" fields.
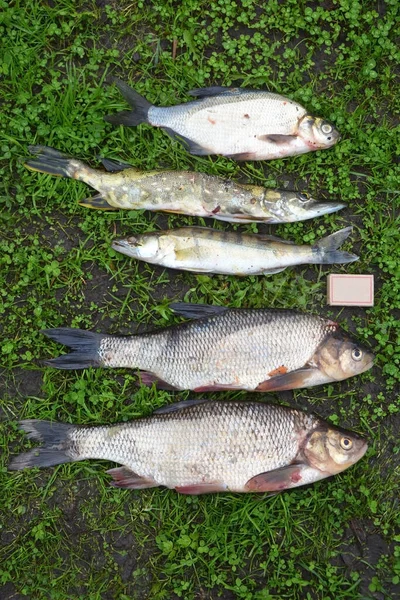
{"x": 242, "y": 156}
{"x": 147, "y": 378}
{"x": 125, "y": 478}
{"x": 217, "y": 387}
{"x": 288, "y": 381}
{"x": 202, "y": 488}
{"x": 277, "y": 480}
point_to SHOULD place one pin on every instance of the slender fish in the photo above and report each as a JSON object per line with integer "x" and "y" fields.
{"x": 206, "y": 250}
{"x": 198, "y": 447}
{"x": 240, "y": 123}
{"x": 184, "y": 192}
{"x": 222, "y": 349}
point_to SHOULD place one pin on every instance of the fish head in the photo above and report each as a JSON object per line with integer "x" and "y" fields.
{"x": 339, "y": 358}
{"x": 332, "y": 450}
{"x": 143, "y": 247}
{"x": 317, "y": 133}
{"x": 294, "y": 206}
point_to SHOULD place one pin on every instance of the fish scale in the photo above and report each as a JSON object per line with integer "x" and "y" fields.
{"x": 215, "y": 441}
{"x": 238, "y": 347}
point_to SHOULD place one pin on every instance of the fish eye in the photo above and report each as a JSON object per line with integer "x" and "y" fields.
{"x": 356, "y": 354}
{"x": 302, "y": 198}
{"x": 346, "y": 443}
{"x": 326, "y": 127}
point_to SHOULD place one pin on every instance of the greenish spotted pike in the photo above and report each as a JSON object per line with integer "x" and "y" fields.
{"x": 236, "y": 122}
{"x": 197, "y": 447}
{"x": 222, "y": 349}
{"x": 184, "y": 192}
{"x": 206, "y": 250}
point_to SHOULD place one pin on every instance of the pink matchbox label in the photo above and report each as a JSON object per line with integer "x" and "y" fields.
{"x": 350, "y": 290}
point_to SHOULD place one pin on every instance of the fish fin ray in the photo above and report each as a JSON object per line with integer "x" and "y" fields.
{"x": 85, "y": 348}
{"x": 277, "y": 139}
{"x": 218, "y": 387}
{"x": 140, "y": 106}
{"x": 326, "y": 249}
{"x": 179, "y": 406}
{"x": 196, "y": 311}
{"x": 276, "y": 480}
{"x": 114, "y": 166}
{"x": 123, "y": 477}
{"x": 288, "y": 381}
{"x": 189, "y": 144}
{"x": 54, "y": 437}
{"x": 241, "y": 156}
{"x": 98, "y": 202}
{"x": 50, "y": 161}
{"x": 215, "y": 90}
{"x": 196, "y": 489}
{"x": 148, "y": 378}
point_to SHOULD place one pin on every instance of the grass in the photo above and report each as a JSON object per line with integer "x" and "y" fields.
{"x": 65, "y": 534}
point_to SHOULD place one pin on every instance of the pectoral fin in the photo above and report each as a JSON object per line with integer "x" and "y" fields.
{"x": 304, "y": 377}
{"x": 97, "y": 202}
{"x": 277, "y": 480}
{"x": 125, "y": 478}
{"x": 202, "y": 488}
{"x": 241, "y": 156}
{"x": 277, "y": 139}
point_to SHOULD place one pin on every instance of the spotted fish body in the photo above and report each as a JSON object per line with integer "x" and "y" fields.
{"x": 198, "y": 447}
{"x": 206, "y": 250}
{"x": 230, "y": 349}
{"x": 240, "y": 123}
{"x": 184, "y": 192}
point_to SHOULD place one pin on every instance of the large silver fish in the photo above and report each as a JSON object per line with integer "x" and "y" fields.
{"x": 206, "y": 250}
{"x": 200, "y": 447}
{"x": 184, "y": 192}
{"x": 240, "y": 123}
{"x": 224, "y": 348}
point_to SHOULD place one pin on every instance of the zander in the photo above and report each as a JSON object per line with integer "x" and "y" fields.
{"x": 206, "y": 250}
{"x": 224, "y": 348}
{"x": 185, "y": 192}
{"x": 197, "y": 447}
{"x": 240, "y": 123}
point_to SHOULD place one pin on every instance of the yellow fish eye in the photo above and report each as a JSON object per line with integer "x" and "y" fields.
{"x": 346, "y": 443}
{"x": 326, "y": 127}
{"x": 356, "y": 354}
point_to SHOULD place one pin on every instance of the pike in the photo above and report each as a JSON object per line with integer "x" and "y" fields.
{"x": 183, "y": 192}
{"x": 224, "y": 349}
{"x": 198, "y": 447}
{"x": 204, "y": 250}
{"x": 239, "y": 123}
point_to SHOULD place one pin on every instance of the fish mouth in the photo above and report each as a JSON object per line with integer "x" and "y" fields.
{"x": 325, "y": 208}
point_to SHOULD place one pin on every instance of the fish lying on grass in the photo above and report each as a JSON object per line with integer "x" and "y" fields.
{"x": 184, "y": 192}
{"x": 236, "y": 122}
{"x": 198, "y": 447}
{"x": 206, "y": 250}
{"x": 222, "y": 349}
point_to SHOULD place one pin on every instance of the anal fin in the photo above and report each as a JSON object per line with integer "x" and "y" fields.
{"x": 123, "y": 477}
{"x": 97, "y": 202}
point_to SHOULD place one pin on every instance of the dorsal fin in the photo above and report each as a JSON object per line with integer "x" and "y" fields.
{"x": 216, "y": 90}
{"x": 179, "y": 406}
{"x": 196, "y": 311}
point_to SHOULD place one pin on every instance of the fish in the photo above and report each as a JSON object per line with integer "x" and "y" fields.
{"x": 223, "y": 348}
{"x": 198, "y": 447}
{"x": 183, "y": 192}
{"x": 206, "y": 250}
{"x": 240, "y": 123}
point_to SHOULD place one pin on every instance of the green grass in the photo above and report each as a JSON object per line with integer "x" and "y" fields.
{"x": 65, "y": 534}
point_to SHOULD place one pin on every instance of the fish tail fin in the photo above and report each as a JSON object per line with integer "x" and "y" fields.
{"x": 140, "y": 106}
{"x": 51, "y": 161}
{"x": 326, "y": 249}
{"x": 85, "y": 348}
{"x": 57, "y": 446}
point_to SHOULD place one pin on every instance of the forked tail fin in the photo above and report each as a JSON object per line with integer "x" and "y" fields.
{"x": 85, "y": 348}
{"x": 325, "y": 251}
{"x": 139, "y": 104}
{"x": 57, "y": 446}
